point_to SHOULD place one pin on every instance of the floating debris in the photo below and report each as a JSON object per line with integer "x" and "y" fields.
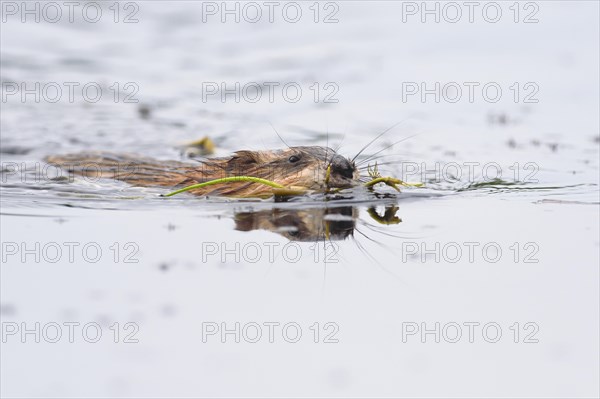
{"x": 199, "y": 148}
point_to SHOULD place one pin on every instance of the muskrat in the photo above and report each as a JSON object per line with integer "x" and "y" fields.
{"x": 303, "y": 168}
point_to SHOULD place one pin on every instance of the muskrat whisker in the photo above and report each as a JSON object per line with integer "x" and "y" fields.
{"x": 375, "y": 261}
{"x": 366, "y": 167}
{"x": 278, "y": 135}
{"x": 363, "y": 250}
{"x": 385, "y": 148}
{"x": 369, "y": 238}
{"x": 382, "y": 157}
{"x": 336, "y": 149}
{"x": 384, "y": 246}
{"x": 376, "y": 138}
{"x": 372, "y": 228}
{"x": 380, "y": 230}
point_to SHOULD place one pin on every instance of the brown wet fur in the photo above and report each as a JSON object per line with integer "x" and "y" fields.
{"x": 295, "y": 167}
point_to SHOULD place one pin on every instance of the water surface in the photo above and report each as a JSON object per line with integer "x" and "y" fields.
{"x": 473, "y": 245}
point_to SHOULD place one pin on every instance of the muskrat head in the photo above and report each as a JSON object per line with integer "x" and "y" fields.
{"x": 302, "y": 167}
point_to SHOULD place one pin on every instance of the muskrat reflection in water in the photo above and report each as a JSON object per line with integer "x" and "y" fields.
{"x": 303, "y": 168}
{"x": 311, "y": 224}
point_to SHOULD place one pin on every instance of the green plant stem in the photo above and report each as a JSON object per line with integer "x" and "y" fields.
{"x": 386, "y": 180}
{"x": 250, "y": 179}
{"x": 390, "y": 181}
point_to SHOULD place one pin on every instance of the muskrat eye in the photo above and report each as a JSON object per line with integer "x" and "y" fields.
{"x": 294, "y": 158}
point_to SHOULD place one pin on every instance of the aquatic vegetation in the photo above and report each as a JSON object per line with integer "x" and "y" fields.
{"x": 376, "y": 178}
{"x": 224, "y": 180}
{"x": 199, "y": 148}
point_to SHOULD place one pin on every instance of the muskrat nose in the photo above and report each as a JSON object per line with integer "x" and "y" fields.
{"x": 343, "y": 166}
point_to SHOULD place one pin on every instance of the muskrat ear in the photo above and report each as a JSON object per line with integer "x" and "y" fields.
{"x": 243, "y": 158}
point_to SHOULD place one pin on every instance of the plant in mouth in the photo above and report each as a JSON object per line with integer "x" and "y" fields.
{"x": 279, "y": 189}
